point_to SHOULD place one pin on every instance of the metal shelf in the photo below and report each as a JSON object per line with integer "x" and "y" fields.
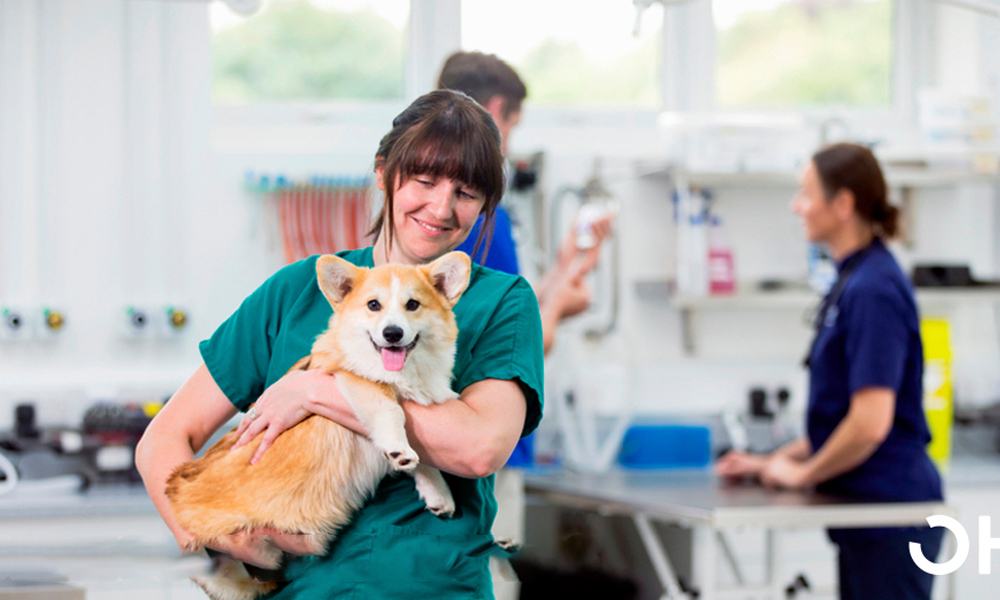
{"x": 799, "y": 298}
{"x": 895, "y": 177}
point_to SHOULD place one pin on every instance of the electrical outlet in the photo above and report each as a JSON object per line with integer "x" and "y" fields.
{"x": 173, "y": 321}
{"x": 50, "y": 323}
{"x": 15, "y": 324}
{"x": 138, "y": 322}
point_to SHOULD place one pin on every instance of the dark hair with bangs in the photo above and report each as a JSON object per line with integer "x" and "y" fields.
{"x": 443, "y": 134}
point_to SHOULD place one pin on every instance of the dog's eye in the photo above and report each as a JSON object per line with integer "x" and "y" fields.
{"x": 412, "y": 305}
{"x": 374, "y": 306}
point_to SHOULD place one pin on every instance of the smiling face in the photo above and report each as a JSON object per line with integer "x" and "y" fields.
{"x": 818, "y": 213}
{"x": 431, "y": 216}
{"x": 439, "y": 168}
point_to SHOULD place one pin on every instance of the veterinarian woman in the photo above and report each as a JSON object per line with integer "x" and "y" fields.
{"x": 439, "y": 167}
{"x": 865, "y": 423}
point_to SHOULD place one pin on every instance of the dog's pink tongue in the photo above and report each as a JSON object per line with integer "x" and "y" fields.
{"x": 393, "y": 358}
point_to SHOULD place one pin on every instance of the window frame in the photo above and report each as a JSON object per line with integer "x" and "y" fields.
{"x": 432, "y": 34}
{"x": 689, "y": 65}
{"x": 686, "y": 77}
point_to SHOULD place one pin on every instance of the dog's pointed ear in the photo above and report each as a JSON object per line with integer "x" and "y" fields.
{"x": 450, "y": 275}
{"x": 337, "y": 277}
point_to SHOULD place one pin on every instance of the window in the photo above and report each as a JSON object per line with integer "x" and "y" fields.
{"x": 308, "y": 50}
{"x": 803, "y": 53}
{"x": 570, "y": 54}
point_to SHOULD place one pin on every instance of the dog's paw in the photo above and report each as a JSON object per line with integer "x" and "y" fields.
{"x": 508, "y": 545}
{"x": 438, "y": 501}
{"x": 269, "y": 556}
{"x": 443, "y": 511}
{"x": 402, "y": 460}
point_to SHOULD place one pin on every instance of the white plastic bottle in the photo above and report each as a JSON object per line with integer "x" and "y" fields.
{"x": 584, "y": 225}
{"x": 692, "y": 243}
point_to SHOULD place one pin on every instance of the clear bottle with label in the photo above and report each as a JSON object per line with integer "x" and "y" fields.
{"x": 692, "y": 242}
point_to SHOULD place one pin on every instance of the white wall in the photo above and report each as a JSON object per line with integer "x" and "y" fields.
{"x": 125, "y": 186}
{"x": 104, "y": 127}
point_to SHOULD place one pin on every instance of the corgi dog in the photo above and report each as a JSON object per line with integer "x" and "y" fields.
{"x": 391, "y": 339}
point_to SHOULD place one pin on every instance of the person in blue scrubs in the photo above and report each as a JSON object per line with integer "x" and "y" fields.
{"x": 562, "y": 291}
{"x": 866, "y": 430}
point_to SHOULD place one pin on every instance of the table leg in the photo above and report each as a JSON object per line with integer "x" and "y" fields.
{"x": 658, "y": 556}
{"x": 772, "y": 552}
{"x": 704, "y": 567}
{"x": 727, "y": 553}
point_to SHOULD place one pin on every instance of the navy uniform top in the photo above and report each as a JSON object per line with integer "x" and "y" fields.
{"x": 872, "y": 339}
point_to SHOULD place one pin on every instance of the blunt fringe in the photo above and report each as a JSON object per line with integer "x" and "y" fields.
{"x": 443, "y": 134}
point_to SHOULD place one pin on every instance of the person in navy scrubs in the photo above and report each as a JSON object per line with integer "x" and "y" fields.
{"x": 866, "y": 431}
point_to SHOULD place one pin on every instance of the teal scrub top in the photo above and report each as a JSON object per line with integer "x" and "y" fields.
{"x": 394, "y": 547}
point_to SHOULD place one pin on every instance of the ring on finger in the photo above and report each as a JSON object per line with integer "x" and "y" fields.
{"x": 252, "y": 413}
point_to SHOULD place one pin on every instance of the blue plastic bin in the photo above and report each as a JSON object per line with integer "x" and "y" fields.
{"x": 665, "y": 447}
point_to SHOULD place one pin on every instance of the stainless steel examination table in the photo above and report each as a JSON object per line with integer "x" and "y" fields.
{"x": 699, "y": 501}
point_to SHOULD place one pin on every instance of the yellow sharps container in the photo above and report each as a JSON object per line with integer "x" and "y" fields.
{"x": 938, "y": 405}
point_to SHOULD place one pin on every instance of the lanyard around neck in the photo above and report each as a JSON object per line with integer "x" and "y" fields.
{"x": 828, "y": 311}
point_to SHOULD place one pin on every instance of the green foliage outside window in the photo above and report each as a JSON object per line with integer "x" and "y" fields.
{"x": 295, "y": 51}
{"x": 560, "y": 73}
{"x": 821, "y": 52}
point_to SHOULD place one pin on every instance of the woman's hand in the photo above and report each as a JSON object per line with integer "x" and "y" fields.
{"x": 568, "y": 250}
{"x": 282, "y": 406}
{"x": 257, "y": 547}
{"x": 737, "y": 465}
{"x": 570, "y": 293}
{"x": 784, "y": 472}
{"x": 249, "y": 547}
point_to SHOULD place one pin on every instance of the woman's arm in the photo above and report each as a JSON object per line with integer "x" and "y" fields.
{"x": 176, "y": 434}
{"x": 735, "y": 464}
{"x": 470, "y": 437}
{"x": 473, "y": 436}
{"x": 797, "y": 449}
{"x": 866, "y": 425}
{"x": 569, "y": 298}
{"x": 173, "y": 437}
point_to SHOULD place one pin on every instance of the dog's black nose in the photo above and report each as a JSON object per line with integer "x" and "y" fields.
{"x": 392, "y": 334}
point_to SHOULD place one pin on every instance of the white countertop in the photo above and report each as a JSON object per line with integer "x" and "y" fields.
{"x": 60, "y": 497}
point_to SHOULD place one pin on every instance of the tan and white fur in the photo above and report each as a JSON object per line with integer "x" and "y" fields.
{"x": 391, "y": 339}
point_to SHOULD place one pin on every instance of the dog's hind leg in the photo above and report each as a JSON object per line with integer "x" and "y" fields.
{"x": 434, "y": 491}
{"x": 376, "y": 407}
